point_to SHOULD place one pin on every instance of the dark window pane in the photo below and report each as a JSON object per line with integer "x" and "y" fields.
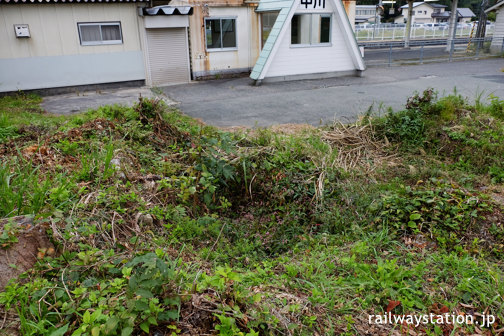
{"x": 325, "y": 29}
{"x": 90, "y": 33}
{"x": 295, "y": 36}
{"x": 212, "y": 29}
{"x": 228, "y": 33}
{"x": 111, "y": 32}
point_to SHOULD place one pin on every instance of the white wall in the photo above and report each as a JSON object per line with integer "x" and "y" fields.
{"x": 420, "y": 16}
{"x": 293, "y": 60}
{"x": 53, "y": 56}
{"x": 498, "y": 36}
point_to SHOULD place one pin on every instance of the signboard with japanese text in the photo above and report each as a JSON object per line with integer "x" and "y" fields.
{"x": 314, "y": 6}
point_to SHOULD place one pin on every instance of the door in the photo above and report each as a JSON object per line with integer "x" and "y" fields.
{"x": 168, "y": 56}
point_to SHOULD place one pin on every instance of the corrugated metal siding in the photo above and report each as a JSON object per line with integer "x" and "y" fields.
{"x": 168, "y": 56}
{"x": 54, "y": 32}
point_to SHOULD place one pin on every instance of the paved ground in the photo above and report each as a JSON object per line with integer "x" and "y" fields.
{"x": 236, "y": 102}
{"x": 82, "y": 101}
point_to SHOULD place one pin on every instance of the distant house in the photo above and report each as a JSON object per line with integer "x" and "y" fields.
{"x": 464, "y": 15}
{"x": 428, "y": 12}
{"x": 365, "y": 13}
{"x": 309, "y": 39}
{"x": 497, "y": 46}
{"x": 423, "y": 12}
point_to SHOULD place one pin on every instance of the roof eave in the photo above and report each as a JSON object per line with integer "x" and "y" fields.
{"x": 494, "y": 7}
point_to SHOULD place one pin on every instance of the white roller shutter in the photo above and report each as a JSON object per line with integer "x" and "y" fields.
{"x": 168, "y": 56}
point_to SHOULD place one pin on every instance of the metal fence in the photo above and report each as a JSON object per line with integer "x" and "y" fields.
{"x": 370, "y": 33}
{"x": 424, "y": 51}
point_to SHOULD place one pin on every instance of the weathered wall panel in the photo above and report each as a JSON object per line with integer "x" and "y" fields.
{"x": 350, "y": 6}
{"x": 207, "y": 63}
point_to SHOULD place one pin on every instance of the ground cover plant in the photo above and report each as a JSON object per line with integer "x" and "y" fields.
{"x": 162, "y": 225}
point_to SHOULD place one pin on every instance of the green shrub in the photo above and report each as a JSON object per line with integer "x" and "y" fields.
{"x": 438, "y": 209}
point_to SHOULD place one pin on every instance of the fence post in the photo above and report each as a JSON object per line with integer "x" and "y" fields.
{"x": 451, "y": 50}
{"x": 478, "y": 44}
{"x": 421, "y": 53}
{"x": 390, "y": 55}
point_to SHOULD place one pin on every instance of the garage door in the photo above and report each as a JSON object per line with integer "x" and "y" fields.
{"x": 168, "y": 56}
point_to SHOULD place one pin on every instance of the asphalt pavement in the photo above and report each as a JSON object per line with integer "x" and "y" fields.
{"x": 237, "y": 102}
{"x": 82, "y": 101}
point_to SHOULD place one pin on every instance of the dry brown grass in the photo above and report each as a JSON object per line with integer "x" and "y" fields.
{"x": 357, "y": 146}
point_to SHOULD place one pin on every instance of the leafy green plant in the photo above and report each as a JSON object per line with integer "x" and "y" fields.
{"x": 441, "y": 210}
{"x": 9, "y": 234}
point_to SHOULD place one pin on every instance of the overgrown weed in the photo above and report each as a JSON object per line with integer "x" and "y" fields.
{"x": 162, "y": 223}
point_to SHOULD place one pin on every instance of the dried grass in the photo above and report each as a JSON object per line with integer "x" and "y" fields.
{"x": 357, "y": 146}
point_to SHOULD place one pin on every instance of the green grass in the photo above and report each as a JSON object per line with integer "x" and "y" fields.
{"x": 164, "y": 224}
{"x": 23, "y": 110}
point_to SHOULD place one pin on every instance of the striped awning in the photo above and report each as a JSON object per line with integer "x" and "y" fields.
{"x": 168, "y": 10}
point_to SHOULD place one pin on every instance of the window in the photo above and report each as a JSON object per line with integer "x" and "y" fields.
{"x": 412, "y": 12}
{"x": 267, "y": 21}
{"x": 310, "y": 29}
{"x": 220, "y": 34}
{"x": 100, "y": 33}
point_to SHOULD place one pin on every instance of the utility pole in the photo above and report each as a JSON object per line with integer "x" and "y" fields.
{"x": 408, "y": 24}
{"x": 453, "y": 25}
{"x": 377, "y": 17}
{"x": 481, "y": 29}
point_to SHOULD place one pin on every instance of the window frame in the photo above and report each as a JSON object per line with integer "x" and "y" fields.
{"x": 263, "y": 41}
{"x": 100, "y": 24}
{"x": 314, "y": 45}
{"x": 220, "y": 18}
